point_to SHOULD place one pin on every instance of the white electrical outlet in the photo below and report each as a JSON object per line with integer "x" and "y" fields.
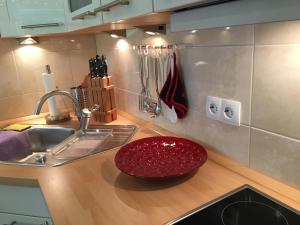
{"x": 213, "y": 107}
{"x": 231, "y": 112}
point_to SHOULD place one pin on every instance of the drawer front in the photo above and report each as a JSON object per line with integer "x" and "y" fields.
{"x": 23, "y": 201}
{"x": 133, "y": 9}
{"x": 7, "y": 219}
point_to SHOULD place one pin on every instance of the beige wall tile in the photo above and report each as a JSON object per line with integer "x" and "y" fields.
{"x": 275, "y": 105}
{"x": 79, "y": 64}
{"x": 21, "y": 67}
{"x": 228, "y": 140}
{"x": 219, "y": 62}
{"x": 31, "y": 61}
{"x": 10, "y": 84}
{"x": 287, "y": 32}
{"x": 17, "y": 106}
{"x": 218, "y": 71}
{"x": 65, "y": 43}
{"x": 127, "y": 77}
{"x": 32, "y": 66}
{"x": 236, "y": 35}
{"x": 276, "y": 156}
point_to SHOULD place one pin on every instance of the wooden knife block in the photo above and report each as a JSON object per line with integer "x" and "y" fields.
{"x": 101, "y": 92}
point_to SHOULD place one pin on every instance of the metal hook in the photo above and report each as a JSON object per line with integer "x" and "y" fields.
{"x": 146, "y": 50}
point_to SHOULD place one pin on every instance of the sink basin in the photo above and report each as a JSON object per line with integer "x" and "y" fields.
{"x": 42, "y": 139}
{"x": 54, "y": 146}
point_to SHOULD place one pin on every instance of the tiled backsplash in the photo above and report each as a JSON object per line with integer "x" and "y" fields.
{"x": 258, "y": 65}
{"x": 21, "y": 67}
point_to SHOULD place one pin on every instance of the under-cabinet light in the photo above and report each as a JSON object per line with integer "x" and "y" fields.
{"x": 153, "y": 29}
{"x": 150, "y": 33}
{"x": 28, "y": 41}
{"x": 114, "y": 36}
{"x": 117, "y": 33}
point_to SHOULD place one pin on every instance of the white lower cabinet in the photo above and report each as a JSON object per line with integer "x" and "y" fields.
{"x": 25, "y": 205}
{"x": 14, "y": 219}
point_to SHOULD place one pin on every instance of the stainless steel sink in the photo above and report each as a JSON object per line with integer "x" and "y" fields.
{"x": 43, "y": 138}
{"x": 54, "y": 146}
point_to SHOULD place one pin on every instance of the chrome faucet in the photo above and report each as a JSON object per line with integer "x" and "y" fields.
{"x": 83, "y": 116}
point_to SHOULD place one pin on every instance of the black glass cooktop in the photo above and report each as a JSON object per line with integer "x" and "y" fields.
{"x": 244, "y": 206}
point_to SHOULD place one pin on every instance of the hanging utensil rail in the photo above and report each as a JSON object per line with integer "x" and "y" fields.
{"x": 144, "y": 47}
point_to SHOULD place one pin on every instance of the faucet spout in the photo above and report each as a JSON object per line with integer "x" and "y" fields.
{"x": 44, "y": 98}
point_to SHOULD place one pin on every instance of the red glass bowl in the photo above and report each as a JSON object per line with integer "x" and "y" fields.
{"x": 160, "y": 157}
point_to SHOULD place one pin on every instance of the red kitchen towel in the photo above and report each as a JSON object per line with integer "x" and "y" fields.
{"x": 178, "y": 96}
{"x": 173, "y": 91}
{"x": 165, "y": 93}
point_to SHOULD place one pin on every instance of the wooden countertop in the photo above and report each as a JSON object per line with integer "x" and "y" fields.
{"x": 93, "y": 191}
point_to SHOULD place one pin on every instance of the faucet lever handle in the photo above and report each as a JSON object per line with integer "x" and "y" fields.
{"x": 86, "y": 113}
{"x": 94, "y": 108}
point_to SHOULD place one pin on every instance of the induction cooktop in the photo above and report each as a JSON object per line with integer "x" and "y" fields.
{"x": 243, "y": 206}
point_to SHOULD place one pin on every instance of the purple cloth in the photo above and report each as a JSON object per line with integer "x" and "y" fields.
{"x": 13, "y": 143}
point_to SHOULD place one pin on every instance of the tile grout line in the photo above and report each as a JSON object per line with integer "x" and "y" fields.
{"x": 278, "y": 45}
{"x": 242, "y": 124}
{"x": 17, "y": 69}
{"x": 276, "y": 134}
{"x": 251, "y": 95}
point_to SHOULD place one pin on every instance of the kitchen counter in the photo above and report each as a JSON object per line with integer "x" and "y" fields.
{"x": 93, "y": 191}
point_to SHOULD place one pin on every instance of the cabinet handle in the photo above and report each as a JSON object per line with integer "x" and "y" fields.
{"x": 41, "y": 25}
{"x": 16, "y": 223}
{"x": 82, "y": 15}
{"x": 108, "y": 6}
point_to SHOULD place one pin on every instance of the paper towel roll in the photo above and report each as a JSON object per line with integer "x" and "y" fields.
{"x": 48, "y": 87}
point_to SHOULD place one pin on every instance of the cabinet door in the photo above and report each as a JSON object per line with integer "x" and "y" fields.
{"x": 80, "y": 14}
{"x": 23, "y": 201}
{"x": 4, "y": 20}
{"x": 37, "y": 16}
{"x": 120, "y": 12}
{"x": 162, "y": 5}
{"x": 6, "y": 218}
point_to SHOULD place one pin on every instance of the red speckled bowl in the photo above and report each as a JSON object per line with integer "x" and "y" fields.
{"x": 160, "y": 157}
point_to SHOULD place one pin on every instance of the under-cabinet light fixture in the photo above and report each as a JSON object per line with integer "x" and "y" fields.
{"x": 114, "y": 36}
{"x": 228, "y": 28}
{"x": 150, "y": 33}
{"x": 117, "y": 33}
{"x": 119, "y": 21}
{"x": 153, "y": 29}
{"x": 193, "y": 31}
{"x": 28, "y": 40}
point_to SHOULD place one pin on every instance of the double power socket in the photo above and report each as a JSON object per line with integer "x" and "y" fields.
{"x": 224, "y": 110}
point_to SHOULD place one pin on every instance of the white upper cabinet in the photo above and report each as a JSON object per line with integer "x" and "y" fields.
{"x": 80, "y": 14}
{"x": 115, "y": 10}
{"x": 4, "y": 18}
{"x": 163, "y": 5}
{"x": 32, "y": 17}
{"x": 236, "y": 13}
